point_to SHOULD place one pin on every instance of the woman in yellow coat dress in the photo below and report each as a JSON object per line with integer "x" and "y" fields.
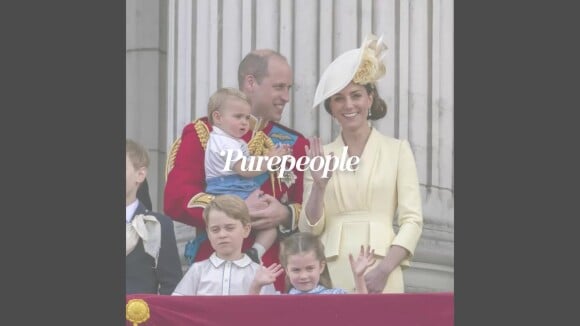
{"x": 350, "y": 209}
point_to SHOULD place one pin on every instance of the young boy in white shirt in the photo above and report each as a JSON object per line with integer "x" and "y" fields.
{"x": 227, "y": 271}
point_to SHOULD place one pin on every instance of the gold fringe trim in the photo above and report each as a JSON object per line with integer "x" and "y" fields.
{"x": 260, "y": 144}
{"x": 171, "y": 157}
{"x": 202, "y": 132}
{"x": 296, "y": 209}
{"x": 272, "y": 184}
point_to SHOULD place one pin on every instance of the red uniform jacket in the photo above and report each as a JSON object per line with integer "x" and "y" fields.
{"x": 184, "y": 197}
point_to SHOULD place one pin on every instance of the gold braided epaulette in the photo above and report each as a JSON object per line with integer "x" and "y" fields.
{"x": 203, "y": 135}
{"x": 260, "y": 144}
{"x": 202, "y": 132}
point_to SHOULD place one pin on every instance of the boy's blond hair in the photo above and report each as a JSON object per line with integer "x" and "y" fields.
{"x": 137, "y": 154}
{"x": 232, "y": 205}
{"x": 217, "y": 100}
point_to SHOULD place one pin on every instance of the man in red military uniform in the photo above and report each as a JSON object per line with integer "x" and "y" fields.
{"x": 265, "y": 77}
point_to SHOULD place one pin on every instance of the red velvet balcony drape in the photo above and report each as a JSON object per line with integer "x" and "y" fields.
{"x": 432, "y": 309}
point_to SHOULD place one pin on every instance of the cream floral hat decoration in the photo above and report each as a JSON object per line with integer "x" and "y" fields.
{"x": 362, "y": 66}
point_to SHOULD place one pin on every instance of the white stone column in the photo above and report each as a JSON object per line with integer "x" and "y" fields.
{"x": 179, "y": 86}
{"x": 146, "y": 32}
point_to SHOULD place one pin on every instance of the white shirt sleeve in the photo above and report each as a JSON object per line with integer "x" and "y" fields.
{"x": 190, "y": 281}
{"x": 214, "y": 160}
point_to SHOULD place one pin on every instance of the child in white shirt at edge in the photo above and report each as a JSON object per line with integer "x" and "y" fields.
{"x": 229, "y": 113}
{"x": 227, "y": 271}
{"x": 302, "y": 256}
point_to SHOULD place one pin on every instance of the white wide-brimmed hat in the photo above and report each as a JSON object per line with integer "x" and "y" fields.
{"x": 362, "y": 66}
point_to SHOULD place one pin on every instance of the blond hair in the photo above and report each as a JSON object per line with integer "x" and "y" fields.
{"x": 137, "y": 154}
{"x": 217, "y": 100}
{"x": 232, "y": 205}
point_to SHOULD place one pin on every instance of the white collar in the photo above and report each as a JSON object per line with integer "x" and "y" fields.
{"x": 130, "y": 210}
{"x": 219, "y": 131}
{"x": 242, "y": 262}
